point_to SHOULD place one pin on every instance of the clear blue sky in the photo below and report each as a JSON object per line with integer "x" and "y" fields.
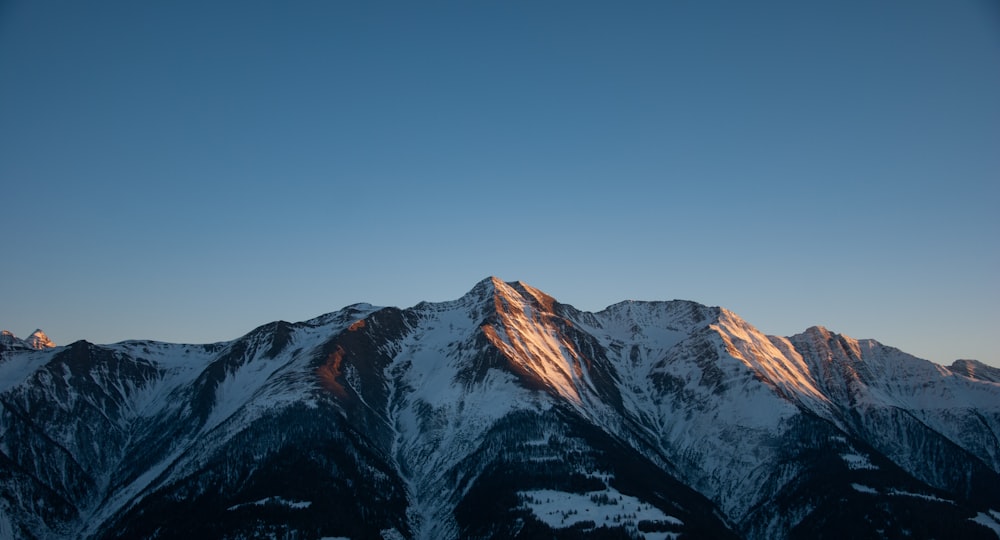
{"x": 186, "y": 171}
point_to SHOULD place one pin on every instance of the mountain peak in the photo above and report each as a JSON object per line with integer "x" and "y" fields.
{"x": 38, "y": 340}
{"x": 9, "y": 339}
{"x": 540, "y": 298}
{"x": 486, "y": 286}
{"x": 974, "y": 369}
{"x": 526, "y": 330}
{"x": 818, "y": 331}
{"x": 496, "y": 293}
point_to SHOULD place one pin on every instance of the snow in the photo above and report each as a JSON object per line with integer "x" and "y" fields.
{"x": 857, "y": 462}
{"x": 990, "y": 520}
{"x": 919, "y": 496}
{"x": 730, "y": 393}
{"x": 528, "y": 337}
{"x": 131, "y": 493}
{"x": 783, "y": 367}
{"x": 17, "y": 367}
{"x": 707, "y": 434}
{"x": 609, "y": 508}
{"x": 643, "y": 332}
{"x": 298, "y": 505}
{"x": 887, "y": 377}
{"x": 392, "y": 534}
{"x": 38, "y": 340}
{"x": 240, "y": 386}
{"x": 439, "y": 419}
{"x": 254, "y": 388}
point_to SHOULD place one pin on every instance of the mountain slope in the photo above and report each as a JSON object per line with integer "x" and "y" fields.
{"x": 502, "y": 414}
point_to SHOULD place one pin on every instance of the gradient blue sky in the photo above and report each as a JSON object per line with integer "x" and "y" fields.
{"x": 186, "y": 171}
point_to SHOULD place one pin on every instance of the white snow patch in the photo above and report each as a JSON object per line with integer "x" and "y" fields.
{"x": 989, "y": 520}
{"x": 919, "y": 496}
{"x": 864, "y": 489}
{"x": 298, "y": 505}
{"x": 559, "y": 509}
{"x": 857, "y": 462}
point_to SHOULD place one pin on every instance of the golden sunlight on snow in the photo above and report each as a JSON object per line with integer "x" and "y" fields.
{"x": 785, "y": 369}
{"x": 529, "y": 337}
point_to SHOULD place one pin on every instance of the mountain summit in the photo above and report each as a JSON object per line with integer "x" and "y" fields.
{"x": 37, "y": 341}
{"x": 502, "y": 414}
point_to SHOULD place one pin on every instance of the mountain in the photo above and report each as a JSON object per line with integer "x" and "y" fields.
{"x": 503, "y": 414}
{"x": 36, "y": 341}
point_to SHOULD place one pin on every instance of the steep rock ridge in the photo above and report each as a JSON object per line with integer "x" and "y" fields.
{"x": 696, "y": 384}
{"x": 502, "y": 414}
{"x": 890, "y": 398}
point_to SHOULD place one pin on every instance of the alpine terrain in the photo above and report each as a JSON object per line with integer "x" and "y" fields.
{"x": 503, "y": 414}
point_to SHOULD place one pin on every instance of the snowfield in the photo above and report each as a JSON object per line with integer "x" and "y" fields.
{"x": 605, "y": 508}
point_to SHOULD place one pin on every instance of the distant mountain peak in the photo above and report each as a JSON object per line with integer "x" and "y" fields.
{"x": 9, "y": 340}
{"x": 38, "y": 340}
{"x": 975, "y": 369}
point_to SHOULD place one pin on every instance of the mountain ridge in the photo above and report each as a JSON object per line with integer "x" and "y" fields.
{"x": 503, "y": 413}
{"x": 37, "y": 340}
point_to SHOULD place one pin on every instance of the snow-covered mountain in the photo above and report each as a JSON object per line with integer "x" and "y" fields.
{"x": 37, "y": 341}
{"x": 503, "y": 414}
